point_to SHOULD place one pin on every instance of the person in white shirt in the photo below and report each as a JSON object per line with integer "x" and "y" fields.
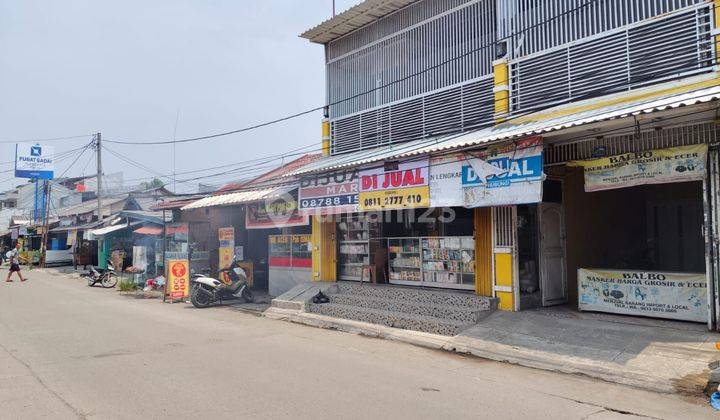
{"x": 14, "y": 258}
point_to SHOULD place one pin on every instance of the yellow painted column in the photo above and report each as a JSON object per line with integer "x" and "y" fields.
{"x": 505, "y": 257}
{"x": 324, "y": 249}
{"x": 504, "y": 281}
{"x": 326, "y": 137}
{"x": 483, "y": 252}
{"x": 501, "y": 89}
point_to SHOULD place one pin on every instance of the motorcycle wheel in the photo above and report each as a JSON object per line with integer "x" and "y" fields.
{"x": 109, "y": 280}
{"x": 199, "y": 299}
{"x": 248, "y": 296}
{"x": 90, "y": 281}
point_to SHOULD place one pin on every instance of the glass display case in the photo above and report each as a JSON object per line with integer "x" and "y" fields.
{"x": 289, "y": 262}
{"x": 404, "y": 260}
{"x": 302, "y": 250}
{"x": 358, "y": 238}
{"x": 290, "y": 251}
{"x": 433, "y": 261}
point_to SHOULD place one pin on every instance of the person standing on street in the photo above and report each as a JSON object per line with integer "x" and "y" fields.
{"x": 14, "y": 257}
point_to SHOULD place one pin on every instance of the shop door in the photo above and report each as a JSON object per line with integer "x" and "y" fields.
{"x": 553, "y": 279}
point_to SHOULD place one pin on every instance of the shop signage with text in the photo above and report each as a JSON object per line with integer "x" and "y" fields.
{"x": 178, "y": 285}
{"x": 680, "y": 296}
{"x": 396, "y": 186}
{"x": 446, "y": 181}
{"x": 226, "y": 237}
{"x": 329, "y": 193}
{"x": 511, "y": 174}
{"x": 34, "y": 161}
{"x": 226, "y": 246}
{"x": 674, "y": 164}
{"x": 277, "y": 213}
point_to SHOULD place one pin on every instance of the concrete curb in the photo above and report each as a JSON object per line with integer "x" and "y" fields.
{"x": 437, "y": 342}
{"x": 489, "y": 350}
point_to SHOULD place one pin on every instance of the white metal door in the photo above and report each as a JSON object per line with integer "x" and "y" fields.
{"x": 553, "y": 279}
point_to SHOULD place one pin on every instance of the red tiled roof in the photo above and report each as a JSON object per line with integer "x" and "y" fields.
{"x": 271, "y": 177}
{"x": 174, "y": 204}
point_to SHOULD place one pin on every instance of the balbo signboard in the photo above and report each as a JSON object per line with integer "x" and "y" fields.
{"x": 395, "y": 186}
{"x": 669, "y": 295}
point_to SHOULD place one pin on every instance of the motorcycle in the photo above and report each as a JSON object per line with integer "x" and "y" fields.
{"x": 107, "y": 277}
{"x": 205, "y": 290}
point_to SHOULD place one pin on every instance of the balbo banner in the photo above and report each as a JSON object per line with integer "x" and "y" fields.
{"x": 395, "y": 186}
{"x": 178, "y": 284}
{"x": 674, "y": 164}
{"x": 680, "y": 296}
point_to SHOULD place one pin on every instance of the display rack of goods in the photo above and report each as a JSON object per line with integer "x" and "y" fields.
{"x": 357, "y": 242}
{"x": 405, "y": 260}
{"x": 449, "y": 261}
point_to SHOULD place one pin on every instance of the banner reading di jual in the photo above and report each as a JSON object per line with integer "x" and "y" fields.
{"x": 674, "y": 164}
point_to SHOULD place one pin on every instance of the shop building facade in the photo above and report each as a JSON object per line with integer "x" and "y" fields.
{"x": 496, "y": 112}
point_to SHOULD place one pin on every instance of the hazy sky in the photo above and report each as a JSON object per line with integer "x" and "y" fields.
{"x": 124, "y": 68}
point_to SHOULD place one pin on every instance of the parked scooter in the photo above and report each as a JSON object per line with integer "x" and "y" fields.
{"x": 205, "y": 290}
{"x": 107, "y": 278}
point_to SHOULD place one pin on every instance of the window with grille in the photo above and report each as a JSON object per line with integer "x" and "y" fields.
{"x": 422, "y": 71}
{"x": 452, "y": 110}
{"x": 670, "y": 46}
{"x": 533, "y": 26}
{"x": 645, "y": 140}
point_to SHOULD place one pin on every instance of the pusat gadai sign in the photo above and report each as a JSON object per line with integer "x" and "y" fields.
{"x": 34, "y": 161}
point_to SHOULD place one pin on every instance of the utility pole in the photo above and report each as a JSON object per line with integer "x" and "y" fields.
{"x": 46, "y": 224}
{"x": 177, "y": 119}
{"x": 98, "y": 150}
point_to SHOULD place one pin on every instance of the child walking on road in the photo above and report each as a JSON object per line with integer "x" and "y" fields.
{"x": 14, "y": 257}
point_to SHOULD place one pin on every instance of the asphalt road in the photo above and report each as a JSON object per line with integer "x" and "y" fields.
{"x": 70, "y": 351}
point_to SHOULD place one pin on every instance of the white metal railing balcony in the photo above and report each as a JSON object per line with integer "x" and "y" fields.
{"x": 427, "y": 46}
{"x": 533, "y": 26}
{"x": 453, "y": 109}
{"x": 669, "y": 46}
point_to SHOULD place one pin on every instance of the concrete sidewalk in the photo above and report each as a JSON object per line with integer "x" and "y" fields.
{"x": 662, "y": 356}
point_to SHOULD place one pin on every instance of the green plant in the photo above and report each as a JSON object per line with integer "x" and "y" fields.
{"x": 126, "y": 285}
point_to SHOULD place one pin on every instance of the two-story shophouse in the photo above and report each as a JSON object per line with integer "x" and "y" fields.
{"x": 540, "y": 152}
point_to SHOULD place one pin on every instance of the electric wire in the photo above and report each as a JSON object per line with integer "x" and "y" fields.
{"x": 603, "y": 91}
{"x": 384, "y": 86}
{"x": 290, "y": 181}
{"x": 443, "y": 63}
{"x": 45, "y": 139}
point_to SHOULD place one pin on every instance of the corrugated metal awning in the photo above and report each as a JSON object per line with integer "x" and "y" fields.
{"x": 85, "y": 226}
{"x": 149, "y": 230}
{"x": 240, "y": 197}
{"x": 352, "y": 19}
{"x": 565, "y": 116}
{"x": 113, "y": 228}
